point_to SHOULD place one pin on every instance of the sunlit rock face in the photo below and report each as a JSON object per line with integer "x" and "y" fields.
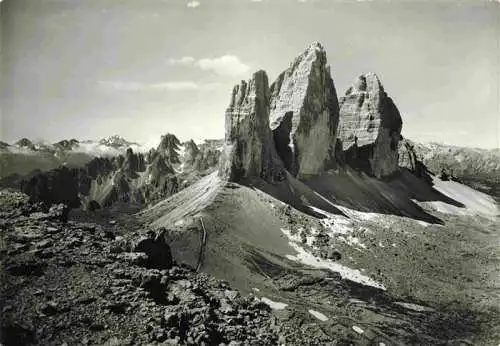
{"x": 370, "y": 127}
{"x": 249, "y": 150}
{"x": 304, "y": 114}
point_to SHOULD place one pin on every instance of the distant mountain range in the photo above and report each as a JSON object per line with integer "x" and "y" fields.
{"x": 478, "y": 168}
{"x": 25, "y": 155}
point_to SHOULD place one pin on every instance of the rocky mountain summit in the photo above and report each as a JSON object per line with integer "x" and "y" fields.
{"x": 116, "y": 141}
{"x": 304, "y": 113}
{"x": 370, "y": 127}
{"x": 311, "y": 133}
{"x": 200, "y": 158}
{"x": 252, "y": 150}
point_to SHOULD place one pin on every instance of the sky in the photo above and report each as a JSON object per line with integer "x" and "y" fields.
{"x": 142, "y": 68}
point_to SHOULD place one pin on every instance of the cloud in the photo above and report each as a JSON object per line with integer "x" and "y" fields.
{"x": 193, "y": 4}
{"x": 184, "y": 61}
{"x": 163, "y": 86}
{"x": 256, "y": 0}
{"x": 226, "y": 65}
{"x": 188, "y": 85}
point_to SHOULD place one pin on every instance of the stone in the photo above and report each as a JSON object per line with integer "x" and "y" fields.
{"x": 370, "y": 128}
{"x": 304, "y": 114}
{"x": 157, "y": 250}
{"x": 249, "y": 150}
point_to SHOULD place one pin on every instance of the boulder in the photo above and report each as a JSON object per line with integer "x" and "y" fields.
{"x": 304, "y": 114}
{"x": 157, "y": 250}
{"x": 370, "y": 128}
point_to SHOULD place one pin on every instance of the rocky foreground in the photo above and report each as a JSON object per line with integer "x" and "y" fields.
{"x": 79, "y": 283}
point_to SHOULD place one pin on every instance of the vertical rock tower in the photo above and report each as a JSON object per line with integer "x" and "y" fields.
{"x": 250, "y": 150}
{"x": 370, "y": 127}
{"x": 304, "y": 114}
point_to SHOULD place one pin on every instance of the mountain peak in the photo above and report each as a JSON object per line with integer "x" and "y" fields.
{"x": 366, "y": 82}
{"x": 315, "y": 45}
{"x": 370, "y": 119}
{"x": 304, "y": 97}
{"x": 115, "y": 141}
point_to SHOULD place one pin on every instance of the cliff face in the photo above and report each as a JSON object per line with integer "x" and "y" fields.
{"x": 199, "y": 158}
{"x": 370, "y": 127}
{"x": 410, "y": 159}
{"x": 132, "y": 177}
{"x": 311, "y": 133}
{"x": 304, "y": 114}
{"x": 250, "y": 150}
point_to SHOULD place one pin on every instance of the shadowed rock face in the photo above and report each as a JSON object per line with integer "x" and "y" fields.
{"x": 199, "y": 158}
{"x": 409, "y": 159}
{"x": 104, "y": 181}
{"x": 370, "y": 127}
{"x": 304, "y": 114}
{"x": 133, "y": 163}
{"x": 169, "y": 148}
{"x": 66, "y": 144}
{"x": 191, "y": 151}
{"x": 250, "y": 150}
{"x": 25, "y": 143}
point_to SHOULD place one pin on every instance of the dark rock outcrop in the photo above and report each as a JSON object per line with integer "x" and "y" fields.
{"x": 191, "y": 151}
{"x": 370, "y": 127}
{"x": 199, "y": 158}
{"x": 103, "y": 181}
{"x": 25, "y": 143}
{"x": 206, "y": 159}
{"x": 250, "y": 150}
{"x": 109, "y": 294}
{"x": 156, "y": 249}
{"x": 304, "y": 114}
{"x": 57, "y": 186}
{"x": 133, "y": 163}
{"x": 169, "y": 148}
{"x": 67, "y": 144}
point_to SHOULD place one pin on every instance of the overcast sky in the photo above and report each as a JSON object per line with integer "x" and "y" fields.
{"x": 140, "y": 68}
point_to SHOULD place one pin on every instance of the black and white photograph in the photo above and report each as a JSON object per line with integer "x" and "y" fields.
{"x": 250, "y": 172}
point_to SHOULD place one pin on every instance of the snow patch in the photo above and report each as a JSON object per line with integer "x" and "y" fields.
{"x": 307, "y": 258}
{"x": 339, "y": 226}
{"x": 414, "y": 307}
{"x": 358, "y": 330}
{"x": 475, "y": 202}
{"x": 318, "y": 315}
{"x": 272, "y": 304}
